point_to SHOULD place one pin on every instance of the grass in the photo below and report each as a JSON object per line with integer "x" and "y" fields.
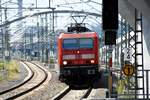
{"x": 12, "y": 68}
{"x": 1, "y": 65}
{"x": 1, "y": 78}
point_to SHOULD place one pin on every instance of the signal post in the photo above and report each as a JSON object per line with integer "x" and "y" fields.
{"x": 110, "y": 27}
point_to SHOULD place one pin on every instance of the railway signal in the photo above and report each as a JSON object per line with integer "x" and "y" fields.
{"x": 110, "y": 20}
{"x": 110, "y": 14}
{"x": 110, "y": 37}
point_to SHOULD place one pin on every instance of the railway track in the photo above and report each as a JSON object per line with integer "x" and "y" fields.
{"x": 36, "y": 78}
{"x": 71, "y": 94}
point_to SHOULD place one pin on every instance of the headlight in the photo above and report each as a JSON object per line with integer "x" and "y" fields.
{"x": 92, "y": 61}
{"x": 69, "y": 56}
{"x": 88, "y": 56}
{"x": 65, "y": 62}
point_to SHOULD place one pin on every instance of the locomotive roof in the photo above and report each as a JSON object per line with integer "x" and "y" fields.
{"x": 78, "y": 35}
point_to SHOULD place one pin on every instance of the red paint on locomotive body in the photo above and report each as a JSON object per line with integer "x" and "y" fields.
{"x": 78, "y": 50}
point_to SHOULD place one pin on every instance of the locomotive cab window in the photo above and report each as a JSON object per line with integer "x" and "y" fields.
{"x": 78, "y": 43}
{"x": 86, "y": 43}
{"x": 70, "y": 44}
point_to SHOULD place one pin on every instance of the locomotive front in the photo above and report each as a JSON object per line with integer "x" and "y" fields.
{"x": 78, "y": 55}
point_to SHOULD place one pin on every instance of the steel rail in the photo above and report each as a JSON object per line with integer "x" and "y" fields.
{"x": 19, "y": 85}
{"x": 67, "y": 90}
{"x": 34, "y": 87}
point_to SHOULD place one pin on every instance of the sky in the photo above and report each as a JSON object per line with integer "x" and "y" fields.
{"x": 62, "y": 19}
{"x": 85, "y": 5}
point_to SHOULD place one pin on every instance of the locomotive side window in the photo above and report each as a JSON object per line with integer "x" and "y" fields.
{"x": 70, "y": 44}
{"x": 86, "y": 43}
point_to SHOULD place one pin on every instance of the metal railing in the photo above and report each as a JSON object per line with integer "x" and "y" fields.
{"x": 124, "y": 87}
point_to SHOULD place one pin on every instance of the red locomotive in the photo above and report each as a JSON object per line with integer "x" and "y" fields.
{"x": 78, "y": 55}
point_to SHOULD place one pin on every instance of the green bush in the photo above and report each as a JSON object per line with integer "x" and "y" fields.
{"x": 120, "y": 86}
{"x": 51, "y": 60}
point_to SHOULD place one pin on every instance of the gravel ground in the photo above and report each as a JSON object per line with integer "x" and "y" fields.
{"x": 49, "y": 91}
{"x": 54, "y": 87}
{"x": 6, "y": 84}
